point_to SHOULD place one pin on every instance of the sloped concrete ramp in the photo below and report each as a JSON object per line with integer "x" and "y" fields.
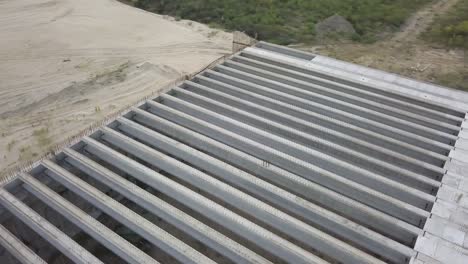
{"x": 274, "y": 155}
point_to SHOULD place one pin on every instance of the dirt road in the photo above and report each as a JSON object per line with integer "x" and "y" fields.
{"x": 422, "y": 19}
{"x": 65, "y": 64}
{"x": 406, "y": 54}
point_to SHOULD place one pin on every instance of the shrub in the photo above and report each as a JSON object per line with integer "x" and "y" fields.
{"x": 451, "y": 29}
{"x": 287, "y": 21}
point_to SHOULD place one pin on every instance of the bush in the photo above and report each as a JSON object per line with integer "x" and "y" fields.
{"x": 452, "y": 28}
{"x": 287, "y": 21}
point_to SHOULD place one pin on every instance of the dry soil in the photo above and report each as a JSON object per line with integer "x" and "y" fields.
{"x": 66, "y": 64}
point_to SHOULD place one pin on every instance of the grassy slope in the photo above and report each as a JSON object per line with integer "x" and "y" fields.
{"x": 291, "y": 21}
{"x": 451, "y": 29}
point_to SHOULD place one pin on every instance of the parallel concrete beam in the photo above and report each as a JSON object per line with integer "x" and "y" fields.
{"x": 328, "y": 123}
{"x": 299, "y": 89}
{"x": 274, "y": 155}
{"x": 87, "y": 223}
{"x": 237, "y": 224}
{"x": 344, "y": 140}
{"x": 346, "y": 154}
{"x": 45, "y": 229}
{"x": 209, "y": 236}
{"x": 262, "y": 211}
{"x": 383, "y": 223}
{"x": 314, "y": 158}
{"x": 342, "y": 185}
{"x": 332, "y": 90}
{"x": 405, "y": 90}
{"x": 17, "y": 248}
{"x": 371, "y": 94}
{"x": 334, "y": 223}
{"x": 124, "y": 215}
{"x": 241, "y": 79}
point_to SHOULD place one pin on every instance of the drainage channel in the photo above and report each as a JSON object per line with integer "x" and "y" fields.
{"x": 258, "y": 160}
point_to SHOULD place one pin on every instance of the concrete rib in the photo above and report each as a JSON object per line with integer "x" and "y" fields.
{"x": 325, "y": 162}
{"x": 394, "y": 94}
{"x": 285, "y": 50}
{"x": 383, "y": 223}
{"x": 370, "y": 150}
{"x": 87, "y": 223}
{"x": 124, "y": 215}
{"x": 330, "y": 112}
{"x": 328, "y": 89}
{"x": 17, "y": 248}
{"x": 329, "y": 124}
{"x": 49, "y": 232}
{"x": 237, "y": 224}
{"x": 293, "y": 87}
{"x": 295, "y": 228}
{"x": 371, "y": 95}
{"x": 270, "y": 156}
{"x": 336, "y": 224}
{"x": 347, "y": 187}
{"x": 212, "y": 238}
{"x": 414, "y": 180}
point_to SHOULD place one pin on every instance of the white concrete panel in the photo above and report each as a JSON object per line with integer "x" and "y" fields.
{"x": 453, "y": 195}
{"x": 441, "y": 250}
{"x": 459, "y": 154}
{"x": 462, "y": 143}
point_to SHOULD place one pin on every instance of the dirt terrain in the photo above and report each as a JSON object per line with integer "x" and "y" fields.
{"x": 67, "y": 64}
{"x": 406, "y": 54}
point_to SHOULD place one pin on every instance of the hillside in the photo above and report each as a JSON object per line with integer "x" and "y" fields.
{"x": 411, "y": 52}
{"x": 421, "y": 39}
{"x": 450, "y": 28}
{"x": 68, "y": 64}
{"x": 286, "y": 22}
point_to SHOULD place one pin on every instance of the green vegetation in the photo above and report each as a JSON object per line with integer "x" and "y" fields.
{"x": 42, "y": 136}
{"x": 451, "y": 29}
{"x": 11, "y": 144}
{"x": 457, "y": 80}
{"x": 26, "y": 153}
{"x": 289, "y": 21}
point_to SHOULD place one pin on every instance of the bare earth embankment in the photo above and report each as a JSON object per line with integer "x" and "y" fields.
{"x": 67, "y": 64}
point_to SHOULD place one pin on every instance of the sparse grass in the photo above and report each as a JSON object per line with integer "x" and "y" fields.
{"x": 457, "y": 80}
{"x": 42, "y": 137}
{"x": 23, "y": 149}
{"x": 11, "y": 144}
{"x": 451, "y": 29}
{"x": 26, "y": 153}
{"x": 212, "y": 34}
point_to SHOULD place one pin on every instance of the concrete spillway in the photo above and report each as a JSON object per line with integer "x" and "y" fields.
{"x": 274, "y": 155}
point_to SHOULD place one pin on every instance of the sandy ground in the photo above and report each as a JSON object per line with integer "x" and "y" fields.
{"x": 66, "y": 64}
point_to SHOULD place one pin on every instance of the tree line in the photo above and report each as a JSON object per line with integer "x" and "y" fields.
{"x": 289, "y": 21}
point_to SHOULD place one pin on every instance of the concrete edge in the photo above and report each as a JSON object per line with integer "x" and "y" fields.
{"x": 445, "y": 237}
